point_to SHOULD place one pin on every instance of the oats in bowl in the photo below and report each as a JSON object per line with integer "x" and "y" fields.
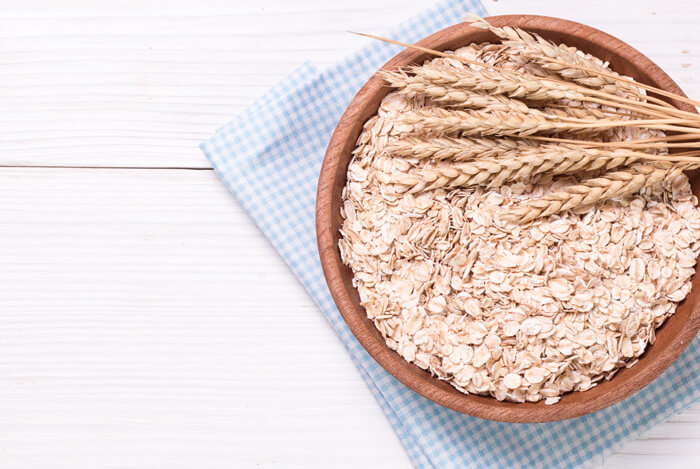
{"x": 519, "y": 311}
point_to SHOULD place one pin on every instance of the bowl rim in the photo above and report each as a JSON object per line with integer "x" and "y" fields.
{"x": 478, "y": 406}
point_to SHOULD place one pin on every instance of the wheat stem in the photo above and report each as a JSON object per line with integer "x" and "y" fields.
{"x": 445, "y": 93}
{"x": 661, "y": 110}
{"x": 596, "y": 111}
{"x": 657, "y": 142}
{"x": 498, "y": 82}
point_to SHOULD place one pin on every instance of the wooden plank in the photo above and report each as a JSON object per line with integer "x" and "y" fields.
{"x": 100, "y": 84}
{"x": 112, "y": 84}
{"x": 132, "y": 330}
{"x": 146, "y": 323}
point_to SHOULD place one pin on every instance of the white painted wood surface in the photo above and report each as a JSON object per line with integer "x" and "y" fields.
{"x": 144, "y": 320}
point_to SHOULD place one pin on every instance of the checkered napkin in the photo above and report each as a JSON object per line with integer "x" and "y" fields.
{"x": 270, "y": 158}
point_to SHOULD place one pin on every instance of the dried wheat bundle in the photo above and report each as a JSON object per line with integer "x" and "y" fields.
{"x": 486, "y": 125}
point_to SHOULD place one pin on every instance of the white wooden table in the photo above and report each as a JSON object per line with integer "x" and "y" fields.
{"x": 144, "y": 320}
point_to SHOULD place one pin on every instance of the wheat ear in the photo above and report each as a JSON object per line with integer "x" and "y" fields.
{"x": 661, "y": 143}
{"x": 498, "y": 82}
{"x": 590, "y": 191}
{"x": 455, "y": 149}
{"x": 444, "y": 93}
{"x": 513, "y": 165}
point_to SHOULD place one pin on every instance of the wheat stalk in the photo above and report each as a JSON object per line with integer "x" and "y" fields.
{"x": 611, "y": 74}
{"x": 655, "y": 142}
{"x": 588, "y": 192}
{"x": 466, "y": 149}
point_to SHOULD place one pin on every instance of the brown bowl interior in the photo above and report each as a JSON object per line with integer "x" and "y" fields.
{"x": 672, "y": 338}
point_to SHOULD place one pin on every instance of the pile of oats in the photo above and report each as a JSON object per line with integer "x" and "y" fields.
{"x": 521, "y": 313}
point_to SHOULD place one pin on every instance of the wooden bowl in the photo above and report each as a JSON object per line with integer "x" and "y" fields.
{"x": 672, "y": 338}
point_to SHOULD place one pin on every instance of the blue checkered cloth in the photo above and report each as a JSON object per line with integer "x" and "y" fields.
{"x": 270, "y": 158}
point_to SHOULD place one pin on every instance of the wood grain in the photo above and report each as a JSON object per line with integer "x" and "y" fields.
{"x": 132, "y": 333}
{"x": 672, "y": 338}
{"x": 123, "y": 84}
